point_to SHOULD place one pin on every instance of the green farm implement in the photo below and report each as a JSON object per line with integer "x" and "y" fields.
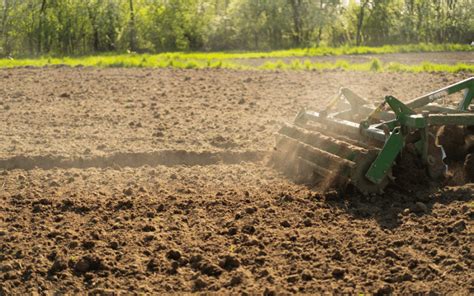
{"x": 362, "y": 144}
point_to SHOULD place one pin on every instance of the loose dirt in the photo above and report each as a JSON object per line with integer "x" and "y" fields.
{"x": 152, "y": 181}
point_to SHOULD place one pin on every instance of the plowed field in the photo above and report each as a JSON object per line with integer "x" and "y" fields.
{"x": 119, "y": 181}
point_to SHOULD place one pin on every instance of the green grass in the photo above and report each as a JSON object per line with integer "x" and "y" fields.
{"x": 373, "y": 66}
{"x": 234, "y": 60}
{"x": 124, "y": 61}
{"x": 326, "y": 51}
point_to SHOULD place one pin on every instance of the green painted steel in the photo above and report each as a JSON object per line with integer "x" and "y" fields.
{"x": 384, "y": 161}
{"x": 467, "y": 100}
{"x": 440, "y": 93}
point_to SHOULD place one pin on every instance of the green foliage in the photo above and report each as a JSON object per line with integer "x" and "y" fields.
{"x": 65, "y": 27}
{"x": 375, "y": 65}
{"x": 201, "y": 61}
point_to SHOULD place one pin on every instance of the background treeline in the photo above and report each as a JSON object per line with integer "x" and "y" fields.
{"x": 68, "y": 27}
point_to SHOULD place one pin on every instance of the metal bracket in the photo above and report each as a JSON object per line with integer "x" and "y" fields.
{"x": 384, "y": 161}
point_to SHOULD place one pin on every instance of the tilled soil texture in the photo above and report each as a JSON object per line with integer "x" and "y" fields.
{"x": 151, "y": 181}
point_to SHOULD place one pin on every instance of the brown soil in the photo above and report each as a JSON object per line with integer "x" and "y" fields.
{"x": 151, "y": 181}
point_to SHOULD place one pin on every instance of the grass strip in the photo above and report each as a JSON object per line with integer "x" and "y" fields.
{"x": 152, "y": 61}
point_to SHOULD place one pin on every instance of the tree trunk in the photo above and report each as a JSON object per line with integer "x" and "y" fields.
{"x": 360, "y": 21}
{"x": 295, "y": 5}
{"x": 321, "y": 22}
{"x": 133, "y": 41}
{"x": 4, "y": 33}
{"x": 92, "y": 12}
{"x": 40, "y": 27}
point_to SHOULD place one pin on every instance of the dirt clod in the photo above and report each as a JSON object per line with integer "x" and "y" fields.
{"x": 306, "y": 275}
{"x": 248, "y": 229}
{"x": 199, "y": 284}
{"x": 173, "y": 255}
{"x": 59, "y": 265}
{"x": 459, "y": 226}
{"x": 229, "y": 262}
{"x": 88, "y": 263}
{"x": 338, "y": 273}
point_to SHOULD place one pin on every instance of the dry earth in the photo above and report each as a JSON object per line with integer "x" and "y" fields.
{"x": 152, "y": 181}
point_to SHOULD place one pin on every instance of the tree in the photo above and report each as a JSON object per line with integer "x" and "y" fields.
{"x": 360, "y": 20}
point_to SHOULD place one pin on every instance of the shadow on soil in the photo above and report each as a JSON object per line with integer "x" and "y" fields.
{"x": 390, "y": 208}
{"x": 413, "y": 192}
{"x": 166, "y": 158}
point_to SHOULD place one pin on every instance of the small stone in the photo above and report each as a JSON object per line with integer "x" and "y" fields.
{"x": 229, "y": 263}
{"x": 307, "y": 222}
{"x": 338, "y": 273}
{"x": 114, "y": 245}
{"x": 199, "y": 284}
{"x": 384, "y": 290}
{"x": 332, "y": 195}
{"x": 158, "y": 134}
{"x": 58, "y": 265}
{"x": 6, "y": 267}
{"x": 128, "y": 191}
{"x": 82, "y": 265}
{"x": 420, "y": 208}
{"x": 210, "y": 269}
{"x": 248, "y": 229}
{"x": 285, "y": 224}
{"x": 88, "y": 245}
{"x": 269, "y": 292}
{"x": 337, "y": 256}
{"x": 37, "y": 208}
{"x": 236, "y": 280}
{"x": 306, "y": 275}
{"x": 88, "y": 263}
{"x": 54, "y": 184}
{"x": 173, "y": 255}
{"x": 250, "y": 210}
{"x": 232, "y": 231}
{"x": 102, "y": 292}
{"x": 459, "y": 226}
{"x": 292, "y": 278}
{"x": 153, "y": 265}
{"x": 241, "y": 101}
{"x": 148, "y": 228}
{"x": 391, "y": 253}
{"x": 407, "y": 277}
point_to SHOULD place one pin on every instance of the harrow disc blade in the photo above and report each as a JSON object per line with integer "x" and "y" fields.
{"x": 317, "y": 157}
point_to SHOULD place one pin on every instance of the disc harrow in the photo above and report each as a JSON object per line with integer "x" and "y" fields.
{"x": 360, "y": 143}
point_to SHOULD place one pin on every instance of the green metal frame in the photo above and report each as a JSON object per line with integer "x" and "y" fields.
{"x": 393, "y": 123}
{"x": 408, "y": 120}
